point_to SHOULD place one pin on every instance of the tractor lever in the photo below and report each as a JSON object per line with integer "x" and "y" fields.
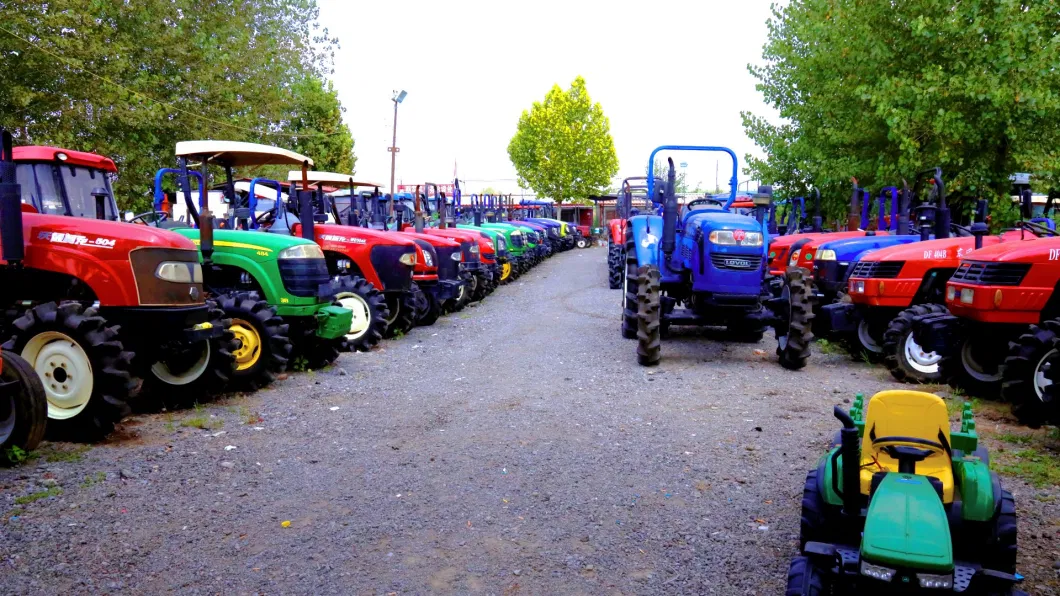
{"x": 907, "y": 457}
{"x": 843, "y": 417}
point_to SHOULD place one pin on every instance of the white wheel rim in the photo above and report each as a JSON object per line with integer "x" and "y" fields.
{"x": 973, "y": 368}
{"x": 865, "y": 338}
{"x": 70, "y": 390}
{"x": 1040, "y": 380}
{"x": 460, "y": 292}
{"x": 394, "y": 311}
{"x": 919, "y": 360}
{"x": 161, "y": 370}
{"x": 361, "y": 314}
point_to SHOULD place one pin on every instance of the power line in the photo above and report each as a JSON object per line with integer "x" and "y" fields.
{"x": 171, "y": 106}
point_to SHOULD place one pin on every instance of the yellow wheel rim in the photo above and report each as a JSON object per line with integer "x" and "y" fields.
{"x": 249, "y": 351}
{"x": 506, "y": 271}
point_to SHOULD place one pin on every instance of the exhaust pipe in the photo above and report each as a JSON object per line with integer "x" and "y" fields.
{"x": 848, "y": 450}
{"x": 942, "y": 216}
{"x": 817, "y": 222}
{"x": 855, "y": 200}
{"x": 13, "y": 249}
{"x": 206, "y": 237}
{"x": 669, "y": 214}
{"x": 979, "y": 227}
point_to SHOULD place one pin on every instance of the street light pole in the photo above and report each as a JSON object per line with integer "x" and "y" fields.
{"x": 398, "y": 98}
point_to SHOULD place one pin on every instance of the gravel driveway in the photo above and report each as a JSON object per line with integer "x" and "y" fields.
{"x": 513, "y": 448}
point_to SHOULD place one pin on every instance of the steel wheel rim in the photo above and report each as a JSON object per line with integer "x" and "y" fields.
{"x": 70, "y": 391}
{"x": 362, "y": 316}
{"x": 163, "y": 373}
{"x": 249, "y": 344}
{"x": 395, "y": 310}
{"x": 1040, "y": 380}
{"x": 506, "y": 271}
{"x": 973, "y": 368}
{"x": 866, "y": 340}
{"x": 919, "y": 360}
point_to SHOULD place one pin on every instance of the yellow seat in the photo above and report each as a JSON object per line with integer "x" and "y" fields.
{"x": 909, "y": 414}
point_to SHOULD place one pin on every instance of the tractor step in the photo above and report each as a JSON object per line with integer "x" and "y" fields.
{"x": 839, "y": 318}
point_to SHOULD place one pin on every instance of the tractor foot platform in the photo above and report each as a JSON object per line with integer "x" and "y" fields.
{"x": 937, "y": 332}
{"x": 839, "y": 318}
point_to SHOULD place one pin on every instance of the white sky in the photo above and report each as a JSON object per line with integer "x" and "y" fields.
{"x": 666, "y": 72}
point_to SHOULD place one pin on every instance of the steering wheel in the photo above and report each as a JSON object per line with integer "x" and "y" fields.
{"x": 158, "y": 217}
{"x": 702, "y": 201}
{"x": 265, "y": 218}
{"x": 933, "y": 446}
{"x": 1035, "y": 228}
{"x": 961, "y": 230}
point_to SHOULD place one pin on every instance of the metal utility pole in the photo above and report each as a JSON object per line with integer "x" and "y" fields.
{"x": 393, "y": 149}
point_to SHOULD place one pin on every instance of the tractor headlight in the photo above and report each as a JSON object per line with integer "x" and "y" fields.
{"x": 301, "y": 251}
{"x": 943, "y": 582}
{"x": 826, "y": 254}
{"x": 857, "y": 287}
{"x": 967, "y": 295}
{"x": 735, "y": 238}
{"x": 455, "y": 256}
{"x": 343, "y": 263}
{"x": 489, "y": 245}
{"x": 427, "y": 260}
{"x": 474, "y": 249}
{"x": 883, "y": 574}
{"x": 408, "y": 258}
{"x": 179, "y": 272}
{"x": 794, "y": 260}
{"x": 951, "y": 293}
{"x": 516, "y": 233}
{"x": 500, "y": 244}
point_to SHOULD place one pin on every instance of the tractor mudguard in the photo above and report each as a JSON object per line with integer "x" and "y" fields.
{"x": 977, "y": 491}
{"x": 647, "y": 230}
{"x": 839, "y": 317}
{"x": 825, "y": 474}
{"x": 617, "y": 229}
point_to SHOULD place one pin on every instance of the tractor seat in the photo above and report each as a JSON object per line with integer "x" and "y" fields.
{"x": 910, "y": 419}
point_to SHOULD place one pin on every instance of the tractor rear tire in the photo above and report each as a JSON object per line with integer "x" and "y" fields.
{"x": 203, "y": 370}
{"x": 629, "y": 298}
{"x": 402, "y": 313}
{"x": 265, "y": 348}
{"x": 1024, "y": 378}
{"x": 805, "y": 579}
{"x": 370, "y": 312}
{"x": 24, "y": 408}
{"x": 973, "y": 366}
{"x": 77, "y": 340}
{"x": 902, "y": 355}
{"x": 649, "y": 316}
{"x": 793, "y": 343}
{"x": 615, "y": 262}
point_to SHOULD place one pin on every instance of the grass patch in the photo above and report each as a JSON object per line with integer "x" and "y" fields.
{"x": 54, "y": 491}
{"x": 53, "y": 454}
{"x": 15, "y": 455}
{"x": 94, "y": 479}
{"x": 300, "y": 364}
{"x": 1015, "y": 438}
{"x": 14, "y": 513}
{"x": 202, "y": 422}
{"x": 829, "y": 347}
{"x": 1032, "y": 465}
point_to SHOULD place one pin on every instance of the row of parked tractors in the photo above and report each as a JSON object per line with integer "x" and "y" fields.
{"x": 900, "y": 503}
{"x": 108, "y": 312}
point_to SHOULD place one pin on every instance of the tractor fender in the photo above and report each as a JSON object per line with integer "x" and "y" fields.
{"x": 647, "y": 233}
{"x": 266, "y": 274}
{"x": 617, "y": 229}
{"x": 111, "y": 281}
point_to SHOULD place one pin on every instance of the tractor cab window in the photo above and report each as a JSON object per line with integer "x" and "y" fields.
{"x": 79, "y": 183}
{"x": 39, "y": 189}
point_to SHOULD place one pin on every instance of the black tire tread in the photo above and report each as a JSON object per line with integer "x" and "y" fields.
{"x": 274, "y": 332}
{"x": 894, "y": 344}
{"x": 30, "y": 404}
{"x": 649, "y": 316}
{"x": 800, "y": 326}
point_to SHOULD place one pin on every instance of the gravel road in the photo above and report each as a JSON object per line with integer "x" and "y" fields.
{"x": 513, "y": 448}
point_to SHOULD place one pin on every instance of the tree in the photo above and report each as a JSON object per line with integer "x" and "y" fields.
{"x": 131, "y": 79}
{"x": 661, "y": 170}
{"x": 562, "y": 147}
{"x": 881, "y": 90}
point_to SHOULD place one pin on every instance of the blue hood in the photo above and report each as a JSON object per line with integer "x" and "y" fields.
{"x": 710, "y": 219}
{"x": 848, "y": 249}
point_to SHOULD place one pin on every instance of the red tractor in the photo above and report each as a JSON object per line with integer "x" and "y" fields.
{"x": 96, "y": 302}
{"x": 616, "y": 228}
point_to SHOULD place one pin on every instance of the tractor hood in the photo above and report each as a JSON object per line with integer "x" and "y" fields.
{"x": 1038, "y": 250}
{"x": 709, "y": 220}
{"x": 259, "y": 246}
{"x": 849, "y": 248}
{"x": 906, "y": 526}
{"x": 431, "y": 239}
{"x": 358, "y": 235}
{"x": 83, "y": 232}
{"x": 944, "y": 249}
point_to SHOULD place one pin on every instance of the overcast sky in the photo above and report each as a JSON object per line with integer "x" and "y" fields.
{"x": 668, "y": 72}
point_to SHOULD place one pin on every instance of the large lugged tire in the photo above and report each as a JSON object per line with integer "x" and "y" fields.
{"x": 795, "y": 335}
{"x": 649, "y": 316}
{"x": 186, "y": 374}
{"x": 94, "y": 386}
{"x": 629, "y": 294}
{"x": 906, "y": 360}
{"x": 804, "y": 579}
{"x": 433, "y": 312}
{"x": 370, "y": 312}
{"x": 265, "y": 348}
{"x": 402, "y": 309}
{"x": 813, "y": 526}
{"x": 973, "y": 365}
{"x": 1023, "y": 377}
{"x": 480, "y": 287}
{"x": 615, "y": 263}
{"x": 23, "y": 405}
{"x": 1001, "y": 549}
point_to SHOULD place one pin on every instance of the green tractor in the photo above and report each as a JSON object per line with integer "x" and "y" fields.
{"x": 276, "y": 288}
{"x": 901, "y": 505}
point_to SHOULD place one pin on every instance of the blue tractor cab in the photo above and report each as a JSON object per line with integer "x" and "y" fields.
{"x": 705, "y": 266}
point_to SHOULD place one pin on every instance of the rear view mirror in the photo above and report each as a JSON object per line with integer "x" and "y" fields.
{"x": 763, "y": 197}
{"x": 129, "y": 215}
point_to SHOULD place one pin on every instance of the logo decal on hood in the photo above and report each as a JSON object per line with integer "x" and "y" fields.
{"x": 649, "y": 240}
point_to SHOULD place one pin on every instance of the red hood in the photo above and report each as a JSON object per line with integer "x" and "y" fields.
{"x": 376, "y": 236}
{"x": 1036, "y": 250}
{"x": 431, "y": 238}
{"x": 942, "y": 249}
{"x": 130, "y": 235}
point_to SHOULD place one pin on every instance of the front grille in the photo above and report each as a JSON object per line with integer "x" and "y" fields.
{"x": 517, "y": 241}
{"x": 465, "y": 249}
{"x": 447, "y": 267}
{"x": 736, "y": 262}
{"x": 428, "y": 250}
{"x": 991, "y": 274}
{"x": 877, "y": 269}
{"x": 302, "y": 277}
{"x": 393, "y": 274}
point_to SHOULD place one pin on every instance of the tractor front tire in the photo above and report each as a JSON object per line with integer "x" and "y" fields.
{"x": 1024, "y": 378}
{"x": 906, "y": 360}
{"x": 370, "y": 312}
{"x": 23, "y": 405}
{"x": 796, "y": 334}
{"x": 402, "y": 307}
{"x": 480, "y": 287}
{"x": 805, "y": 579}
{"x": 434, "y": 310}
{"x": 629, "y": 296}
{"x": 265, "y": 348}
{"x": 92, "y": 391}
{"x": 191, "y": 373}
{"x": 649, "y": 316}
{"x": 973, "y": 365}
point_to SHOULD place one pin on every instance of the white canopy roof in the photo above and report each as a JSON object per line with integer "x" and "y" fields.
{"x": 238, "y": 153}
{"x": 315, "y": 177}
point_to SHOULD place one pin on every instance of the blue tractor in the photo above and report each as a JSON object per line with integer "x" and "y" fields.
{"x": 705, "y": 266}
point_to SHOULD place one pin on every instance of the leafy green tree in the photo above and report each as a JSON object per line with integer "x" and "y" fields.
{"x": 881, "y": 90}
{"x": 130, "y": 79}
{"x": 563, "y": 148}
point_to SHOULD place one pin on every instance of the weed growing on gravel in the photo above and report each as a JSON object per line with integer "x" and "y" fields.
{"x": 54, "y": 491}
{"x": 1032, "y": 465}
{"x": 300, "y": 364}
{"x": 15, "y": 455}
{"x": 94, "y": 479}
{"x": 252, "y": 418}
{"x": 1015, "y": 438}
{"x": 14, "y": 513}
{"x": 202, "y": 422}
{"x": 53, "y": 454}
{"x": 827, "y": 347}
